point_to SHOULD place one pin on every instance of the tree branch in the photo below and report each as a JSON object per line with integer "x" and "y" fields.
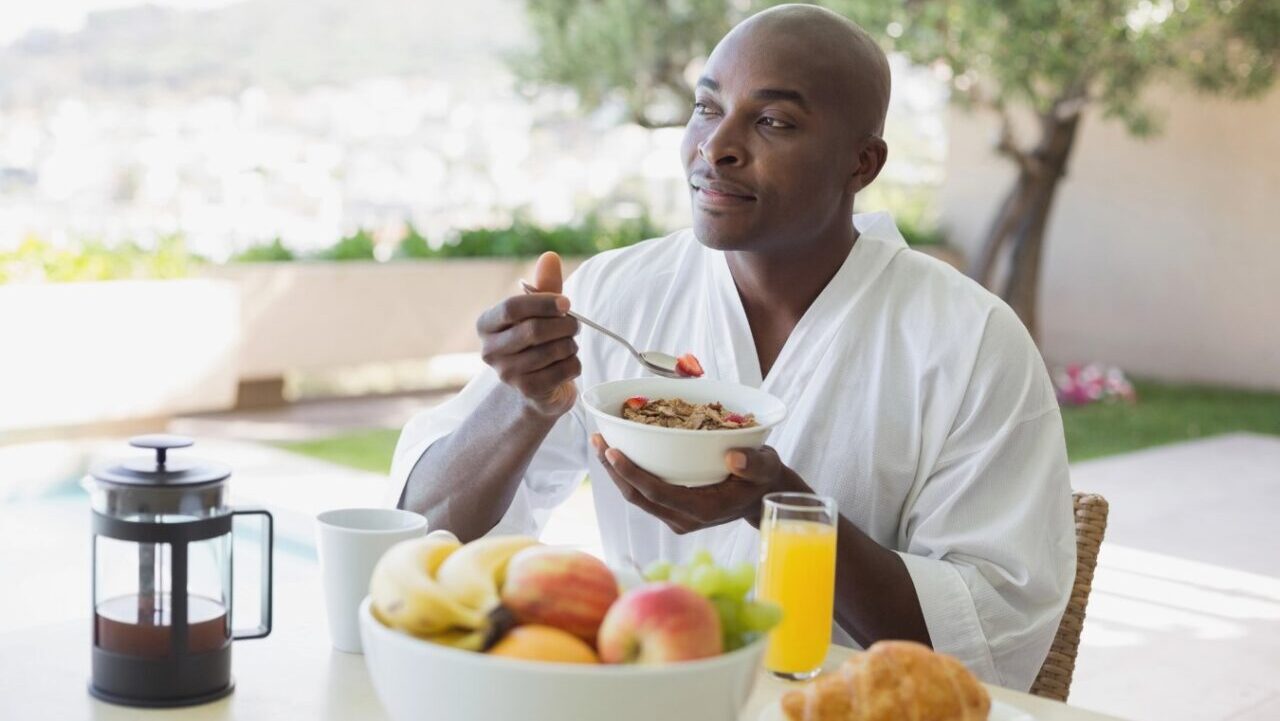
{"x": 638, "y": 107}
{"x": 641, "y": 118}
{"x": 1007, "y": 144}
{"x": 1072, "y": 102}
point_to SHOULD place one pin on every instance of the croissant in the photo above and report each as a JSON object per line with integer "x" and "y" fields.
{"x": 891, "y": 681}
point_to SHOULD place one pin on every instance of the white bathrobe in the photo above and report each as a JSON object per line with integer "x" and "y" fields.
{"x": 915, "y": 398}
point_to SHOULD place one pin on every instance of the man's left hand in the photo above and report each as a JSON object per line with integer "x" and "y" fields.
{"x": 752, "y": 473}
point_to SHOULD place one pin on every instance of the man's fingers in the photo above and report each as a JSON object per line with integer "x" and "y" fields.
{"x": 753, "y": 464}
{"x": 528, "y": 334}
{"x": 617, "y": 463}
{"x": 547, "y": 274}
{"x": 536, "y": 358}
{"x": 682, "y": 509}
{"x": 674, "y": 518}
{"x": 549, "y": 378}
{"x": 639, "y": 477}
{"x": 653, "y": 488}
{"x": 521, "y": 307}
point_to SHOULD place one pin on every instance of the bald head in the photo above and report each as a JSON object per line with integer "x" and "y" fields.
{"x": 784, "y": 131}
{"x": 850, "y": 61}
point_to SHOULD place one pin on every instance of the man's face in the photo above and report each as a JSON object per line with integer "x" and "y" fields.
{"x": 769, "y": 149}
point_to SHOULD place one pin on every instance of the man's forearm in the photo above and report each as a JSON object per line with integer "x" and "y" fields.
{"x": 465, "y": 481}
{"x": 875, "y": 597}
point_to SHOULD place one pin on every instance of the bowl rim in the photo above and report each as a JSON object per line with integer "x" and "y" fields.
{"x": 760, "y": 427}
{"x": 551, "y": 667}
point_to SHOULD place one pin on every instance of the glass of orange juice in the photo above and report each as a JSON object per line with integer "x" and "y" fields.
{"x": 798, "y": 572}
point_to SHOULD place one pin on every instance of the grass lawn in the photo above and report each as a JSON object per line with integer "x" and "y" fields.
{"x": 1164, "y": 413}
{"x": 369, "y": 450}
{"x": 1167, "y": 413}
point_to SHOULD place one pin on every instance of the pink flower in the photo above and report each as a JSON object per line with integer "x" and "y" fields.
{"x": 1083, "y": 384}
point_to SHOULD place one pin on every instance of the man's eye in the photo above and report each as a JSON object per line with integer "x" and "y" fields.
{"x": 775, "y": 123}
{"x": 703, "y": 109}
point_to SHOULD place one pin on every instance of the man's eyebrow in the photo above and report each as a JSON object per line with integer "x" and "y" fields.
{"x": 779, "y": 94}
{"x": 763, "y": 94}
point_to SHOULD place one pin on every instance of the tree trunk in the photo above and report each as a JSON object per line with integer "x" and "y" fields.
{"x": 1020, "y": 223}
{"x": 1011, "y": 209}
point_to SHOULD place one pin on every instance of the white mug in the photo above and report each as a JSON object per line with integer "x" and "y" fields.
{"x": 350, "y": 542}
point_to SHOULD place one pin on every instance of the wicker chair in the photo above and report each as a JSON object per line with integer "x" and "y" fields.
{"x": 1054, "y": 679}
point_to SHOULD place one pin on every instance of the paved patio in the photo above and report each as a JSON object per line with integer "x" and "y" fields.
{"x": 1184, "y": 622}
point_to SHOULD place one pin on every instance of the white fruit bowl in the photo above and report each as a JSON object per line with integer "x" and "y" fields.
{"x": 417, "y": 680}
{"x": 676, "y": 455}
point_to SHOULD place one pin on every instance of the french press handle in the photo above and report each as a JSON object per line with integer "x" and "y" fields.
{"x": 268, "y": 535}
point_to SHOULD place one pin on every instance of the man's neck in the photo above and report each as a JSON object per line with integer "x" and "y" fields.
{"x": 777, "y": 288}
{"x": 784, "y": 285}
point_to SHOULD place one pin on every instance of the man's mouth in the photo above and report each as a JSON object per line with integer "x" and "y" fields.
{"x": 719, "y": 194}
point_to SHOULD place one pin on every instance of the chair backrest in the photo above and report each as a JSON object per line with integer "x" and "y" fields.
{"x": 1054, "y": 679}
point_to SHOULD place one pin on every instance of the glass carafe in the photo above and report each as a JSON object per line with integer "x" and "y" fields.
{"x": 162, "y": 578}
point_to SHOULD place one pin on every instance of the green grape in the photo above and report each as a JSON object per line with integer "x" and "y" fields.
{"x": 707, "y": 580}
{"x": 657, "y": 571}
{"x": 730, "y": 613}
{"x": 702, "y": 557}
{"x": 739, "y": 580}
{"x": 760, "y": 615}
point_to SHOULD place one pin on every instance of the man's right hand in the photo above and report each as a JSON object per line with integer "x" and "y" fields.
{"x": 528, "y": 340}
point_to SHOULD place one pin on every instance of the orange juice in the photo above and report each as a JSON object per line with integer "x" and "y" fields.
{"x": 798, "y": 572}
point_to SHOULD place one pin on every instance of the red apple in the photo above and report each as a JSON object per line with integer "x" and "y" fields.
{"x": 660, "y": 623}
{"x": 559, "y": 587}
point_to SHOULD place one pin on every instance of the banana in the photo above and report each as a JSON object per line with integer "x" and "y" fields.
{"x": 444, "y": 535}
{"x": 406, "y": 595}
{"x": 464, "y": 640}
{"x": 473, "y": 575}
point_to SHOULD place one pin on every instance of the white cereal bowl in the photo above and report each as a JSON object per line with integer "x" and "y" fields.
{"x": 676, "y": 455}
{"x": 417, "y": 680}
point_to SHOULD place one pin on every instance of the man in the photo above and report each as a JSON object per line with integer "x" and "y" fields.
{"x": 916, "y": 399}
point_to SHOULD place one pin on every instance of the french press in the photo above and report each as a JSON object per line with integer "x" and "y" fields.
{"x": 162, "y": 578}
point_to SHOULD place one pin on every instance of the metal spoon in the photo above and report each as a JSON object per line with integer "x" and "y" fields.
{"x": 660, "y": 364}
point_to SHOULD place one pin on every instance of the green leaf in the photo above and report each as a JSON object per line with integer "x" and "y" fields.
{"x": 414, "y": 245}
{"x": 353, "y": 247}
{"x": 633, "y": 54}
{"x": 273, "y": 252}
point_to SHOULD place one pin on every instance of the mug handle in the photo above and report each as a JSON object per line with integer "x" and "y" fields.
{"x": 268, "y": 544}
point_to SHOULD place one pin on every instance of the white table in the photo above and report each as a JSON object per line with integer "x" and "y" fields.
{"x": 293, "y": 674}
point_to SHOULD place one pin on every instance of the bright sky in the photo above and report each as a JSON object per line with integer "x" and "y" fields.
{"x": 19, "y": 18}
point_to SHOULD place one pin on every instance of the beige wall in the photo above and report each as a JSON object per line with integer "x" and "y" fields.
{"x": 309, "y": 316}
{"x": 1163, "y": 254}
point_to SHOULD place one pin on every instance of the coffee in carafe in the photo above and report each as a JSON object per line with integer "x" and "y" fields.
{"x": 139, "y": 626}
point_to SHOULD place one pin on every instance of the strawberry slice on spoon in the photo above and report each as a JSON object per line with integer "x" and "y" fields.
{"x": 688, "y": 366}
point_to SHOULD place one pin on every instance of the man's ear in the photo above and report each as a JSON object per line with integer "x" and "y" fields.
{"x": 872, "y": 155}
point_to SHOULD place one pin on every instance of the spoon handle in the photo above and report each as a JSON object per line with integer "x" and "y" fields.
{"x": 585, "y": 321}
{"x": 606, "y": 331}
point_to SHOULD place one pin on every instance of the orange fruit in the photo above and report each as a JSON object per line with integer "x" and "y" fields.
{"x": 544, "y": 643}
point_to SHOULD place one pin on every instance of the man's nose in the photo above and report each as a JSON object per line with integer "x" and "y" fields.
{"x": 722, "y": 148}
